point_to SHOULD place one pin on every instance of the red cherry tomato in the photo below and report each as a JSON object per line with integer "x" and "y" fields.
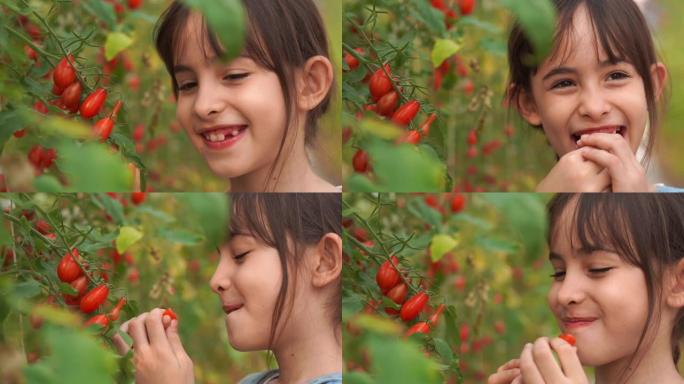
{"x": 457, "y": 203}
{"x": 360, "y": 161}
{"x": 93, "y": 103}
{"x": 413, "y": 306}
{"x": 387, "y": 276}
{"x": 80, "y": 285}
{"x": 406, "y": 113}
{"x": 466, "y": 6}
{"x": 353, "y": 62}
{"x": 71, "y": 97}
{"x": 43, "y": 227}
{"x": 170, "y": 313}
{"x": 435, "y": 316}
{"x": 93, "y": 299}
{"x": 421, "y": 327}
{"x": 569, "y": 338}
{"x": 425, "y": 127}
{"x": 35, "y": 155}
{"x": 68, "y": 270}
{"x": 48, "y": 157}
{"x": 398, "y": 293}
{"x": 134, "y": 4}
{"x": 379, "y": 84}
{"x": 388, "y": 104}
{"x": 99, "y": 320}
{"x": 137, "y": 197}
{"x": 64, "y": 73}
{"x": 114, "y": 313}
{"x": 103, "y": 128}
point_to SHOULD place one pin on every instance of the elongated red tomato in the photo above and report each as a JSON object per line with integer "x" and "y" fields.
{"x": 406, "y": 112}
{"x": 379, "y": 84}
{"x": 93, "y": 103}
{"x": 435, "y": 316}
{"x": 425, "y": 127}
{"x": 388, "y": 104}
{"x": 360, "y": 161}
{"x": 80, "y": 285}
{"x": 103, "y": 128}
{"x": 68, "y": 270}
{"x": 421, "y": 327}
{"x": 569, "y": 338}
{"x": 387, "y": 276}
{"x": 134, "y": 4}
{"x": 114, "y": 313}
{"x": 398, "y": 293}
{"x": 64, "y": 73}
{"x": 466, "y": 6}
{"x": 93, "y": 299}
{"x": 413, "y": 306}
{"x": 99, "y": 320}
{"x": 71, "y": 97}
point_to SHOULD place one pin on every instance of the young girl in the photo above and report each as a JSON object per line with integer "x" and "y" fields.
{"x": 618, "y": 289}
{"x": 595, "y": 96}
{"x": 252, "y": 118}
{"x": 279, "y": 283}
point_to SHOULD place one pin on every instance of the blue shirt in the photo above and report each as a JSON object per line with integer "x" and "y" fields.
{"x": 264, "y": 377}
{"x": 660, "y": 187}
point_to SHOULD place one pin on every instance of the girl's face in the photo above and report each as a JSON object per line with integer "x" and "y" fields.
{"x": 234, "y": 113}
{"x": 247, "y": 281}
{"x": 596, "y": 297}
{"x": 579, "y": 91}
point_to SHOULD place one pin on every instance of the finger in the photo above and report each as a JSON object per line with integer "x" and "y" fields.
{"x": 517, "y": 380}
{"x": 543, "y": 358}
{"x": 504, "y": 377}
{"x": 528, "y": 369}
{"x": 570, "y": 363}
{"x": 175, "y": 341}
{"x": 510, "y": 364}
{"x": 137, "y": 331}
{"x": 122, "y": 347}
{"x": 155, "y": 329}
{"x": 606, "y": 160}
{"x": 616, "y": 144}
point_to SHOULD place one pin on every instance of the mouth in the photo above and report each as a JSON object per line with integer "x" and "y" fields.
{"x": 228, "y": 309}
{"x": 577, "y": 322}
{"x": 612, "y": 129}
{"x": 224, "y": 136}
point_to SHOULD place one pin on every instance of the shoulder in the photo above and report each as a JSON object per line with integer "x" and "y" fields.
{"x": 660, "y": 187}
{"x": 331, "y": 378}
{"x": 258, "y": 377}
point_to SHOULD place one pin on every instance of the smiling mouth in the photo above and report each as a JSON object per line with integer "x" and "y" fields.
{"x": 228, "y": 309}
{"x": 577, "y": 322}
{"x": 223, "y": 137}
{"x": 612, "y": 129}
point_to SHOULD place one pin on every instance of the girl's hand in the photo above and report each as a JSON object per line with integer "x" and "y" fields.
{"x": 506, "y": 374}
{"x": 537, "y": 365}
{"x": 158, "y": 356}
{"x": 613, "y": 153}
{"x": 574, "y": 173}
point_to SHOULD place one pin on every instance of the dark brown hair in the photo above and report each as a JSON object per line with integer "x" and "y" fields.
{"x": 281, "y": 36}
{"x": 289, "y": 222}
{"x": 645, "y": 229}
{"x": 622, "y": 32}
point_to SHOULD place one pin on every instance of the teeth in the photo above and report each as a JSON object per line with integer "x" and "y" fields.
{"x": 214, "y": 137}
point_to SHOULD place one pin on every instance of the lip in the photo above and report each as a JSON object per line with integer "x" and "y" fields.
{"x": 615, "y": 129}
{"x": 222, "y": 136}
{"x": 577, "y": 322}
{"x": 230, "y": 308}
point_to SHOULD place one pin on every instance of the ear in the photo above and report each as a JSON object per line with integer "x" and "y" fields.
{"x": 525, "y": 105}
{"x": 659, "y": 76}
{"x": 675, "y": 295}
{"x": 327, "y": 262}
{"x": 314, "y": 82}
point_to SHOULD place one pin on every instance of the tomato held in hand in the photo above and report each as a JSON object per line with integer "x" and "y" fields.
{"x": 93, "y": 299}
{"x": 170, "y": 315}
{"x": 413, "y": 306}
{"x": 569, "y": 338}
{"x": 387, "y": 276}
{"x": 93, "y": 103}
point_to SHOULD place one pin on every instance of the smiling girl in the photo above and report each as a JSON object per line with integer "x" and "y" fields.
{"x": 278, "y": 282}
{"x": 252, "y": 118}
{"x": 595, "y": 96}
{"x": 618, "y": 288}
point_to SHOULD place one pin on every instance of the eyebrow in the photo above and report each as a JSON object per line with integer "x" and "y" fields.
{"x": 555, "y": 256}
{"x": 184, "y": 68}
{"x": 566, "y": 70}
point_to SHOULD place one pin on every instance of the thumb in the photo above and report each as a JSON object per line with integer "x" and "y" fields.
{"x": 175, "y": 341}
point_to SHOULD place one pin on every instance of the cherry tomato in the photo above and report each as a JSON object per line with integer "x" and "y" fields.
{"x": 353, "y": 62}
{"x": 413, "y": 306}
{"x": 435, "y": 316}
{"x": 48, "y": 157}
{"x": 93, "y": 103}
{"x": 472, "y": 137}
{"x": 360, "y": 161}
{"x": 406, "y": 113}
{"x": 39, "y": 106}
{"x": 425, "y": 127}
{"x": 413, "y": 137}
{"x": 138, "y": 132}
{"x": 80, "y": 285}
{"x": 388, "y": 104}
{"x": 71, "y": 97}
{"x": 134, "y": 4}
{"x": 387, "y": 276}
{"x": 68, "y": 270}
{"x": 99, "y": 320}
{"x": 421, "y": 327}
{"x": 457, "y": 203}
{"x": 43, "y": 227}
{"x": 114, "y": 313}
{"x": 170, "y": 313}
{"x": 94, "y": 298}
{"x": 103, "y": 128}
{"x": 466, "y": 6}
{"x": 64, "y": 73}
{"x": 398, "y": 293}
{"x": 19, "y": 133}
{"x": 569, "y": 338}
{"x": 137, "y": 197}
{"x": 35, "y": 155}
{"x": 379, "y": 83}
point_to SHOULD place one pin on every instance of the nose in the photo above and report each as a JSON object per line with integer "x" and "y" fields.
{"x": 594, "y": 103}
{"x": 220, "y": 280}
{"x": 209, "y": 100}
{"x": 571, "y": 290}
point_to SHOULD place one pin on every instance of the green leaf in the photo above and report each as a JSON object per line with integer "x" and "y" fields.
{"x": 91, "y": 167}
{"x": 538, "y": 20}
{"x": 443, "y": 349}
{"x": 431, "y": 17}
{"x": 406, "y": 168}
{"x": 211, "y": 211}
{"x": 440, "y": 245}
{"x": 381, "y": 129}
{"x": 127, "y": 237}
{"x": 444, "y": 49}
{"x": 115, "y": 43}
{"x": 180, "y": 236}
{"x": 377, "y": 325}
{"x": 47, "y": 183}
{"x": 396, "y": 361}
{"x": 63, "y": 127}
{"x": 226, "y": 18}
{"x": 113, "y": 208}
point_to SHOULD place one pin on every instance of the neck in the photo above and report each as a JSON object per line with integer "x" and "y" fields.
{"x": 315, "y": 354}
{"x": 656, "y": 366}
{"x": 293, "y": 173}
